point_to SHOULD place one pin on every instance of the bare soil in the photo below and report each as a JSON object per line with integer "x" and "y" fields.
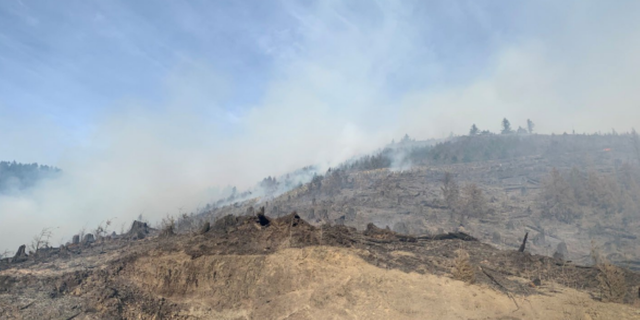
{"x": 285, "y": 268}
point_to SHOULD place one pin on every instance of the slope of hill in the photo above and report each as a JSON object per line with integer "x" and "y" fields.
{"x": 255, "y": 267}
{"x": 392, "y": 235}
{"x": 592, "y": 203}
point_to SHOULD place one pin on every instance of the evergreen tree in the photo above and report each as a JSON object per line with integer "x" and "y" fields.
{"x": 530, "y": 125}
{"x": 474, "y": 130}
{"x": 506, "y": 126}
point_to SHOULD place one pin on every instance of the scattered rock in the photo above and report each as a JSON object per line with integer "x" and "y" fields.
{"x": 76, "y": 239}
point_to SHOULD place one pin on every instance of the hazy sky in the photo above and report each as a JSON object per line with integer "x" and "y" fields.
{"x": 145, "y": 104}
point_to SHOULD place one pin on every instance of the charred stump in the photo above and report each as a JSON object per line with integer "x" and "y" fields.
{"x": 88, "y": 238}
{"x": 205, "y": 228}
{"x": 139, "y": 230}
{"x": 21, "y": 255}
{"x": 263, "y": 220}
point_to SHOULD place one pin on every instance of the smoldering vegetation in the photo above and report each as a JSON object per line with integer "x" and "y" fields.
{"x": 495, "y": 185}
{"x": 565, "y": 190}
{"x": 564, "y": 209}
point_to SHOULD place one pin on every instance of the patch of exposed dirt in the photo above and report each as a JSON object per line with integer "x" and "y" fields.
{"x": 256, "y": 267}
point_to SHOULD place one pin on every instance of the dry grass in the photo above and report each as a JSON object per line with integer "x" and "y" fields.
{"x": 611, "y": 280}
{"x": 167, "y": 226}
{"x": 612, "y": 284}
{"x": 462, "y": 268}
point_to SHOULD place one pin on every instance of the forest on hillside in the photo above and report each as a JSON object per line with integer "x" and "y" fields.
{"x": 486, "y": 147}
{"x": 20, "y": 176}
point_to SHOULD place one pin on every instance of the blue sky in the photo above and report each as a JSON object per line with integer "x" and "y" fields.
{"x": 67, "y": 63}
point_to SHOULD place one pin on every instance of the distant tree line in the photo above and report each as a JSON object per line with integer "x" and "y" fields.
{"x": 20, "y": 176}
{"x": 506, "y": 128}
{"x": 495, "y": 147}
{"x": 485, "y": 147}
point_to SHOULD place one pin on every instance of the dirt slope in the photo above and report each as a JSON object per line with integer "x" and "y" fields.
{"x": 335, "y": 283}
{"x": 285, "y": 268}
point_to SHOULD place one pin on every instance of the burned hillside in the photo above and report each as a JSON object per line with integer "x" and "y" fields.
{"x": 552, "y": 220}
{"x": 264, "y": 267}
{"x": 566, "y": 190}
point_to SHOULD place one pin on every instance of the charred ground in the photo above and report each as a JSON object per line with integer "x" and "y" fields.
{"x": 283, "y": 260}
{"x": 125, "y": 278}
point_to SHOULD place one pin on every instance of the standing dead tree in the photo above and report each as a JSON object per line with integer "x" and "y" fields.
{"x": 524, "y": 242}
{"x": 451, "y": 193}
{"x": 41, "y": 240}
{"x": 4, "y": 254}
{"x": 473, "y": 202}
{"x": 103, "y": 229}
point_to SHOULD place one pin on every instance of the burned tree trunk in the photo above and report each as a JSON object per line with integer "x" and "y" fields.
{"x": 524, "y": 242}
{"x": 262, "y": 218}
{"x": 21, "y": 255}
{"x": 205, "y": 228}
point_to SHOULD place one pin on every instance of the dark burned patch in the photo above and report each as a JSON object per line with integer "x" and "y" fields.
{"x": 427, "y": 254}
{"x": 104, "y": 292}
{"x": 6, "y": 283}
{"x": 377, "y": 233}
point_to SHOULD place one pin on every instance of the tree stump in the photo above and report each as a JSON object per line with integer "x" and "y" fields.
{"x": 21, "y": 255}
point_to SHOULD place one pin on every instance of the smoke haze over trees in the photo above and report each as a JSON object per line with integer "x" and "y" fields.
{"x": 19, "y": 176}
